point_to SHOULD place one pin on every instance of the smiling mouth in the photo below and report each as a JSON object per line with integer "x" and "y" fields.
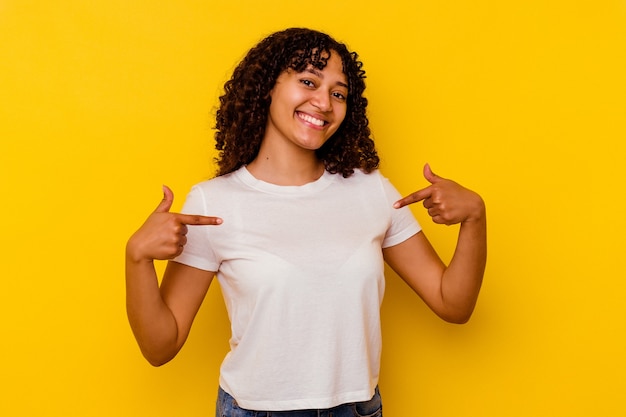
{"x": 311, "y": 119}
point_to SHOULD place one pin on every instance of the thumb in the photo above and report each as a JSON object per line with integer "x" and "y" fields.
{"x": 430, "y": 176}
{"x": 165, "y": 204}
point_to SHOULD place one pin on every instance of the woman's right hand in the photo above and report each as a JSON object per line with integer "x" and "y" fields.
{"x": 163, "y": 235}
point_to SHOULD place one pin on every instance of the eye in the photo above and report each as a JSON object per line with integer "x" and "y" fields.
{"x": 339, "y": 96}
{"x": 307, "y": 82}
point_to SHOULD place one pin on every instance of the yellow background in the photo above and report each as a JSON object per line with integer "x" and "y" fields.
{"x": 523, "y": 101}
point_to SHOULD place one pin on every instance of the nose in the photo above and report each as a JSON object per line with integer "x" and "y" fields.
{"x": 321, "y": 100}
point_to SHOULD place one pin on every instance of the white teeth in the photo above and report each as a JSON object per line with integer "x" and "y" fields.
{"x": 310, "y": 119}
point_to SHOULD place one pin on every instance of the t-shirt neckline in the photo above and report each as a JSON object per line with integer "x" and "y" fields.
{"x": 319, "y": 184}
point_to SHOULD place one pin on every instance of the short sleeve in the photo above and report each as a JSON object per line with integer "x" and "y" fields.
{"x": 403, "y": 223}
{"x": 198, "y": 251}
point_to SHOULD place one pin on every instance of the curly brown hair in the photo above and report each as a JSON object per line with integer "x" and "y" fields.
{"x": 242, "y": 116}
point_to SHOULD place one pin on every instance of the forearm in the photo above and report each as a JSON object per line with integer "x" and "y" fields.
{"x": 161, "y": 316}
{"x": 463, "y": 277}
{"x": 152, "y": 322}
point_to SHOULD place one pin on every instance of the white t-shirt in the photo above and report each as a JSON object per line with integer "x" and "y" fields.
{"x": 302, "y": 274}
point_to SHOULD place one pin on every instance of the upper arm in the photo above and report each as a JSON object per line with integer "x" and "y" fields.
{"x": 417, "y": 263}
{"x": 183, "y": 289}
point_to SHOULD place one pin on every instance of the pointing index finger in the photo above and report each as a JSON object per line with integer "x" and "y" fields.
{"x": 417, "y": 196}
{"x": 198, "y": 220}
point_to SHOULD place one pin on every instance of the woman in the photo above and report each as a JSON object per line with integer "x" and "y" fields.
{"x": 297, "y": 226}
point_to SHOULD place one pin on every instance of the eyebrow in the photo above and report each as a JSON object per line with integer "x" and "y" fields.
{"x": 321, "y": 75}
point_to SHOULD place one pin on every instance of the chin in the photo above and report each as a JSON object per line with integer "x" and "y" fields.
{"x": 313, "y": 145}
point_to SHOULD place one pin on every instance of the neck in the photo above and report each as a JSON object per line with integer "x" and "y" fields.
{"x": 280, "y": 169}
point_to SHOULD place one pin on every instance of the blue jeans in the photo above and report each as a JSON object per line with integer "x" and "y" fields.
{"x": 227, "y": 407}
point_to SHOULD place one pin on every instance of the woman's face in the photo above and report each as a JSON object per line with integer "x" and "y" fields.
{"x": 308, "y": 107}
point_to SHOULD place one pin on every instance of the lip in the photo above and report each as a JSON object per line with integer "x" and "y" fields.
{"x": 310, "y": 120}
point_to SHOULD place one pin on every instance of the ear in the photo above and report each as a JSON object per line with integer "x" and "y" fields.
{"x": 279, "y": 79}
{"x": 271, "y": 92}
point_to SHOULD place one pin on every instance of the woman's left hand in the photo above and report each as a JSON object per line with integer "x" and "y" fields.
{"x": 446, "y": 201}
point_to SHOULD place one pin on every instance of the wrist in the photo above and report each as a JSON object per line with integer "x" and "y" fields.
{"x": 134, "y": 253}
{"x": 478, "y": 213}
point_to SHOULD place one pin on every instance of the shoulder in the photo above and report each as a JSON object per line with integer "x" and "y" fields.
{"x": 376, "y": 183}
{"x": 361, "y": 176}
{"x": 371, "y": 185}
{"x": 216, "y": 183}
{"x": 367, "y": 179}
{"x": 212, "y": 193}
